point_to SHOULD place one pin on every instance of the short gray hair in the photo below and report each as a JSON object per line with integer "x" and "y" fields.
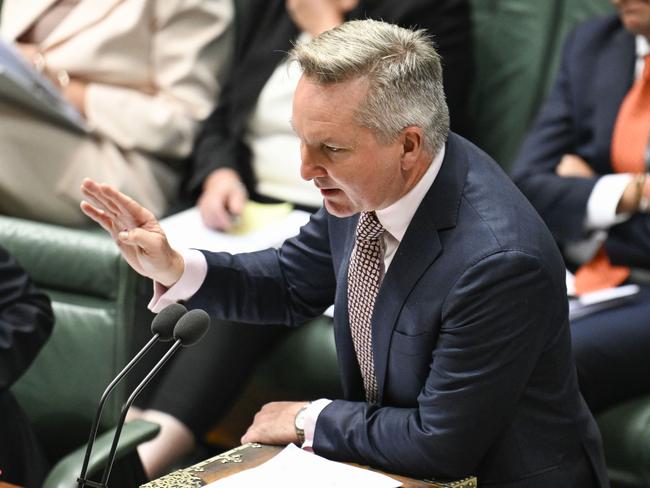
{"x": 402, "y": 69}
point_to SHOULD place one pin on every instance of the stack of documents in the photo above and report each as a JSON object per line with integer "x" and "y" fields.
{"x": 260, "y": 226}
{"x": 295, "y": 468}
{"x": 588, "y": 303}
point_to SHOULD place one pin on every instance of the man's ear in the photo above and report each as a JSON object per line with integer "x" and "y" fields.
{"x": 412, "y": 139}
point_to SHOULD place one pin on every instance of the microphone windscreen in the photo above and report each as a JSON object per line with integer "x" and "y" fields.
{"x": 163, "y": 324}
{"x": 192, "y": 327}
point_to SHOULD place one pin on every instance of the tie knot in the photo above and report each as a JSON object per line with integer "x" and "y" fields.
{"x": 369, "y": 227}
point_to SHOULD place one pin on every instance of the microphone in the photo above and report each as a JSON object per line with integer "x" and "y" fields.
{"x": 162, "y": 328}
{"x": 190, "y": 329}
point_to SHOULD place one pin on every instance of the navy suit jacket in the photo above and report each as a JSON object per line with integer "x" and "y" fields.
{"x": 470, "y": 336}
{"x": 596, "y": 72}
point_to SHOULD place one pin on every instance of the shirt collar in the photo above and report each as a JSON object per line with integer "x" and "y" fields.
{"x": 396, "y": 217}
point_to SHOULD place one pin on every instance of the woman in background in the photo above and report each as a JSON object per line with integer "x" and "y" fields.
{"x": 142, "y": 73}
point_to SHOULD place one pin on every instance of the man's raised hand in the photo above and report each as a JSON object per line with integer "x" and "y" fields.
{"x": 136, "y": 231}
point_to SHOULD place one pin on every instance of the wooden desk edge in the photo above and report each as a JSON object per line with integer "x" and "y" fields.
{"x": 251, "y": 455}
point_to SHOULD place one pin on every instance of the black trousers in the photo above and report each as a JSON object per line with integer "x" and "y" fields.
{"x": 612, "y": 352}
{"x": 200, "y": 383}
{"x": 21, "y": 460}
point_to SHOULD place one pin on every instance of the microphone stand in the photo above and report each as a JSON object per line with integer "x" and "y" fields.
{"x": 118, "y": 429}
{"x": 95, "y": 425}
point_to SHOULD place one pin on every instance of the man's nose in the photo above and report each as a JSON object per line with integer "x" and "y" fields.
{"x": 310, "y": 166}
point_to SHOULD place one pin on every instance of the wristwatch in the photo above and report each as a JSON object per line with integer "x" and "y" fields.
{"x": 299, "y": 424}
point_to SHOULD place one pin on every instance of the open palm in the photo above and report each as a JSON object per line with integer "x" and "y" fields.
{"x": 135, "y": 230}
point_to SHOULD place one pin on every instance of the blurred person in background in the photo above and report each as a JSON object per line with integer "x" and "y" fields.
{"x": 584, "y": 166}
{"x": 142, "y": 73}
{"x": 26, "y": 322}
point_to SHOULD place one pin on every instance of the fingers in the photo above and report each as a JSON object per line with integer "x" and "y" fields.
{"x": 237, "y": 199}
{"x": 125, "y": 211}
{"x": 95, "y": 194}
{"x": 214, "y": 214}
{"x": 129, "y": 207}
{"x": 222, "y": 200}
{"x": 99, "y": 216}
{"x": 573, "y": 166}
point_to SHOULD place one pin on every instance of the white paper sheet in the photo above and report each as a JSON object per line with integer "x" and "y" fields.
{"x": 295, "y": 468}
{"x": 263, "y": 226}
{"x": 594, "y": 301}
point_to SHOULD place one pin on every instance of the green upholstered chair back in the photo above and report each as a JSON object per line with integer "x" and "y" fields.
{"x": 94, "y": 295}
{"x": 517, "y": 45}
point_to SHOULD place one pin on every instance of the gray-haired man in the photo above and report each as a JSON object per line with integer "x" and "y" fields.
{"x": 450, "y": 308}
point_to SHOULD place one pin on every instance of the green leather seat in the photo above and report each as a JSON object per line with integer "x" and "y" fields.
{"x": 517, "y": 46}
{"x": 94, "y": 296}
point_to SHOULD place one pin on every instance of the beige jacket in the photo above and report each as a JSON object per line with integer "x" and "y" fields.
{"x": 152, "y": 65}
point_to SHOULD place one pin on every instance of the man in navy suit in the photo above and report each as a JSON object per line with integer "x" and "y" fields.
{"x": 469, "y": 340}
{"x": 566, "y": 169}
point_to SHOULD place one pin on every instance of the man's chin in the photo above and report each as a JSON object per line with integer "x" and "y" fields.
{"x": 337, "y": 209}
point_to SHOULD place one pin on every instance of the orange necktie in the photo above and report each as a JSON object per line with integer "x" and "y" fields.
{"x": 629, "y": 141}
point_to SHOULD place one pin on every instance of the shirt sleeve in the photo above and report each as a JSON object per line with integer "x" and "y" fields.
{"x": 603, "y": 200}
{"x": 311, "y": 416}
{"x": 196, "y": 269}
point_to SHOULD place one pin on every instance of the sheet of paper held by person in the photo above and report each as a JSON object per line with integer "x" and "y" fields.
{"x": 260, "y": 226}
{"x": 295, "y": 468}
{"x": 588, "y": 303}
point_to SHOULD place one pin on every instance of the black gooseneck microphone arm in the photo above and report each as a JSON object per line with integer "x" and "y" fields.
{"x": 189, "y": 329}
{"x": 162, "y": 328}
{"x": 127, "y": 405}
{"x": 109, "y": 389}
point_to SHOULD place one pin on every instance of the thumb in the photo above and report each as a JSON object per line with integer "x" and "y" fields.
{"x": 237, "y": 200}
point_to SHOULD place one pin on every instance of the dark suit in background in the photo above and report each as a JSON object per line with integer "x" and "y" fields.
{"x": 596, "y": 72}
{"x": 470, "y": 338}
{"x": 25, "y": 324}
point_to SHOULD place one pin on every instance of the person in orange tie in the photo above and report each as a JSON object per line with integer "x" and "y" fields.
{"x": 584, "y": 166}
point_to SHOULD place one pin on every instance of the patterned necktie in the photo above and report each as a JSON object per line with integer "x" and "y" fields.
{"x": 629, "y": 142}
{"x": 364, "y": 277}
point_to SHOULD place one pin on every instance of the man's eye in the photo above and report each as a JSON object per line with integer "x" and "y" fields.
{"x": 332, "y": 149}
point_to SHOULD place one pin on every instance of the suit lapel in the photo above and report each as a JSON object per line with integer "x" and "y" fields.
{"x": 418, "y": 250}
{"x": 84, "y": 15}
{"x": 22, "y": 16}
{"x": 617, "y": 65}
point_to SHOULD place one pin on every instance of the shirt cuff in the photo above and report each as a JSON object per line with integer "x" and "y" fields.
{"x": 194, "y": 273}
{"x": 311, "y": 416}
{"x": 604, "y": 198}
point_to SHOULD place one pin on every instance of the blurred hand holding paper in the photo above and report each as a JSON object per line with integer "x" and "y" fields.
{"x": 295, "y": 468}
{"x": 260, "y": 226}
